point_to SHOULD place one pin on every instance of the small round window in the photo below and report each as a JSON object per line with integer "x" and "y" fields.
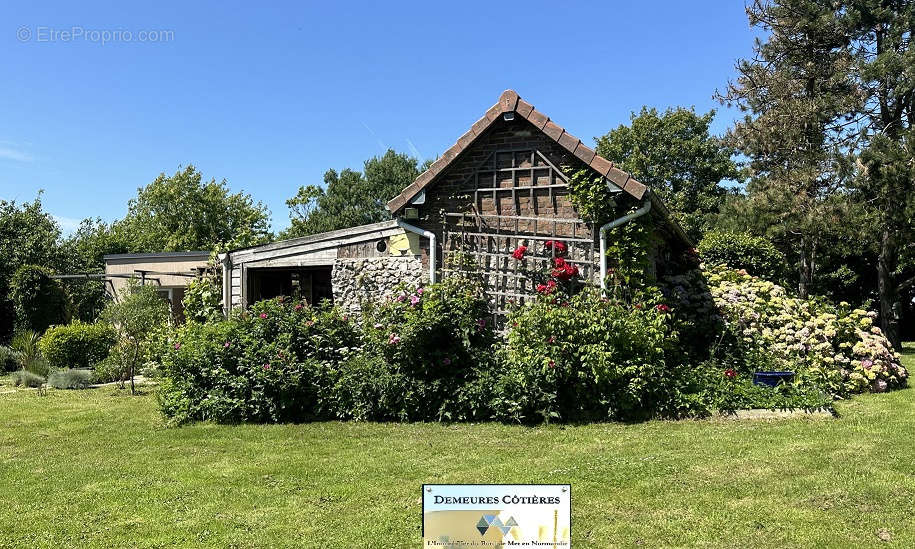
{"x": 382, "y": 245}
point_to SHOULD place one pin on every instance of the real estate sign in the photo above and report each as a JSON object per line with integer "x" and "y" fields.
{"x": 497, "y": 515}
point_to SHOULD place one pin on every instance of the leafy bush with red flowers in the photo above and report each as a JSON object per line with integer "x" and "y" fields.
{"x": 589, "y": 359}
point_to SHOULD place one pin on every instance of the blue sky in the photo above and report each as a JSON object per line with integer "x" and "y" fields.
{"x": 271, "y": 95}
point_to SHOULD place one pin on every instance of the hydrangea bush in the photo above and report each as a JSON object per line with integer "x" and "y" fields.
{"x": 838, "y": 347}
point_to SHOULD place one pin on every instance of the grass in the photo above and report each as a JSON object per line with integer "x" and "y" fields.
{"x": 91, "y": 468}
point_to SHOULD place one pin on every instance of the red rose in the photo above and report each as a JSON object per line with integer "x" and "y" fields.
{"x": 731, "y": 373}
{"x": 546, "y": 289}
{"x": 564, "y": 271}
{"x": 555, "y": 246}
{"x": 663, "y": 308}
{"x": 519, "y": 252}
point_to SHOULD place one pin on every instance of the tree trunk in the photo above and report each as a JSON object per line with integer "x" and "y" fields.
{"x": 803, "y": 285}
{"x": 889, "y": 297}
{"x": 133, "y": 363}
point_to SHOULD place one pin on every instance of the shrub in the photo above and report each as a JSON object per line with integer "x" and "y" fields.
{"x": 755, "y": 254}
{"x": 70, "y": 379}
{"x": 9, "y": 359}
{"x": 835, "y": 347}
{"x": 25, "y": 344}
{"x": 281, "y": 360}
{"x": 114, "y": 366}
{"x": 589, "y": 358}
{"x": 39, "y": 300}
{"x": 77, "y": 345}
{"x": 367, "y": 388}
{"x": 24, "y": 378}
{"x": 274, "y": 362}
{"x": 431, "y": 340}
{"x": 203, "y": 300}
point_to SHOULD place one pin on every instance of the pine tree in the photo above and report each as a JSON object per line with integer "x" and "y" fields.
{"x": 796, "y": 92}
{"x": 881, "y": 33}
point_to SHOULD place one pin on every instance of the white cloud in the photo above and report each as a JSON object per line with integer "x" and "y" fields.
{"x": 11, "y": 153}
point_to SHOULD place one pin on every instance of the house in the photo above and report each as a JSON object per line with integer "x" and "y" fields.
{"x": 504, "y": 183}
{"x": 169, "y": 272}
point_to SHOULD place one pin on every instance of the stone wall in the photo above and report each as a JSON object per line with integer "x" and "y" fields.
{"x": 372, "y": 278}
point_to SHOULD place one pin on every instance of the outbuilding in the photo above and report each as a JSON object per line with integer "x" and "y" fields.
{"x": 504, "y": 183}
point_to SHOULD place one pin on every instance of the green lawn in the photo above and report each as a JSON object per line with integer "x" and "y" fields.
{"x": 92, "y": 468}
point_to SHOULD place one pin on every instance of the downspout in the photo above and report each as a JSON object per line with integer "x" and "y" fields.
{"x": 616, "y": 223}
{"x": 428, "y": 234}
{"x": 226, "y": 283}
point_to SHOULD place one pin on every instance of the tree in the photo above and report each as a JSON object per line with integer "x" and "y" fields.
{"x": 84, "y": 252}
{"x": 140, "y": 311}
{"x": 350, "y": 198}
{"x": 676, "y": 156}
{"x": 38, "y": 300}
{"x": 883, "y": 53}
{"x": 797, "y": 95}
{"x": 28, "y": 236}
{"x": 183, "y": 212}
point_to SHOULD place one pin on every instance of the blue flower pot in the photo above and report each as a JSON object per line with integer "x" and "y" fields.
{"x": 771, "y": 379}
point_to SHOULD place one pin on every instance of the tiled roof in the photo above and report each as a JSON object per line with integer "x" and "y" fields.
{"x": 510, "y": 101}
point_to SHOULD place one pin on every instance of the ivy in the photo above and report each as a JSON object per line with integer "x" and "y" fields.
{"x": 629, "y": 246}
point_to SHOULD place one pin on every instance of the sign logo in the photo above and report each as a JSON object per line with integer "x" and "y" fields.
{"x": 492, "y": 521}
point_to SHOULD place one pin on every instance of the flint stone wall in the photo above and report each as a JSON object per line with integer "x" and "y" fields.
{"x": 372, "y": 278}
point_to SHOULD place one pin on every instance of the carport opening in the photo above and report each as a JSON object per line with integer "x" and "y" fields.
{"x": 309, "y": 283}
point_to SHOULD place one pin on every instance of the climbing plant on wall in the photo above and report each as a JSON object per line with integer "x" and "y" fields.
{"x": 629, "y": 245}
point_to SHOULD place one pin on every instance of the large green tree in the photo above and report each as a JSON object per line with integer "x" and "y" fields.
{"x": 883, "y": 53}
{"x": 183, "y": 212}
{"x": 675, "y": 154}
{"x": 350, "y": 198}
{"x": 83, "y": 252}
{"x": 796, "y": 93}
{"x": 28, "y": 236}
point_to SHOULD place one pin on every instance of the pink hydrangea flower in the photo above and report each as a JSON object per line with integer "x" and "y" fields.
{"x": 263, "y": 315}
{"x": 177, "y": 346}
{"x": 227, "y": 345}
{"x": 414, "y": 300}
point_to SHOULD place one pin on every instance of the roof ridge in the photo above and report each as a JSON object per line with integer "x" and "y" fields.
{"x": 510, "y": 101}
